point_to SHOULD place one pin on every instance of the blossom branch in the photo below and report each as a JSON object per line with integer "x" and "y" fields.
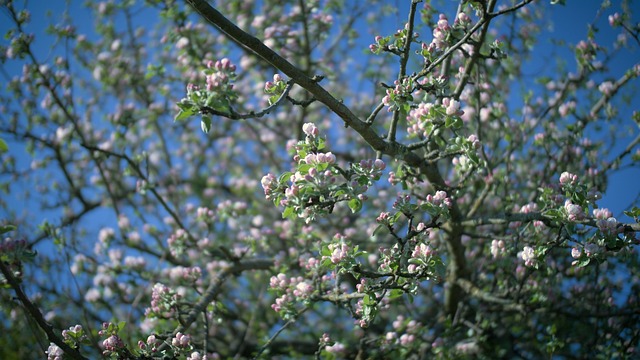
{"x": 404, "y": 58}
{"x": 213, "y": 290}
{"x": 233, "y": 115}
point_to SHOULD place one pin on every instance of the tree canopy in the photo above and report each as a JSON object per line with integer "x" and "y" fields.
{"x": 319, "y": 179}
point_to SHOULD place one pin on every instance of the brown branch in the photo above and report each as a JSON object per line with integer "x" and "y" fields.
{"x": 37, "y": 315}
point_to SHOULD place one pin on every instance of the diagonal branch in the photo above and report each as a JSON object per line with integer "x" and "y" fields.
{"x": 457, "y": 262}
{"x": 35, "y": 313}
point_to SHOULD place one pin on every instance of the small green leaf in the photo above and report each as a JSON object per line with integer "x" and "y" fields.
{"x": 367, "y": 300}
{"x": 6, "y": 228}
{"x": 3, "y": 146}
{"x": 184, "y": 114}
{"x": 395, "y": 293}
{"x": 634, "y": 213}
{"x": 378, "y": 229}
{"x": 284, "y": 177}
{"x": 355, "y": 205}
{"x": 205, "y": 124}
{"x": 288, "y": 212}
{"x": 584, "y": 262}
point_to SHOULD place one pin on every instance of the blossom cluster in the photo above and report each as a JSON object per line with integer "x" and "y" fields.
{"x": 219, "y": 75}
{"x": 290, "y": 290}
{"x": 426, "y": 117}
{"x": 74, "y": 336}
{"x": 275, "y": 88}
{"x": 112, "y": 344}
{"x": 399, "y": 96}
{"x": 422, "y": 259}
{"x": 318, "y": 183}
{"x": 528, "y": 255}
{"x": 393, "y": 43}
{"x": 217, "y": 95}
{"x": 164, "y": 302}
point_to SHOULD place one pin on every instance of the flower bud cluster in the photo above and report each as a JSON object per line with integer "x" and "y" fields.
{"x": 275, "y": 88}
{"x": 112, "y": 343}
{"x": 181, "y": 340}
{"x": 528, "y": 256}
{"x": 394, "y": 43}
{"x": 339, "y": 252}
{"x": 13, "y": 249}
{"x": 151, "y": 345}
{"x": 615, "y": 20}
{"x": 217, "y": 95}
{"x": 269, "y": 86}
{"x": 586, "y": 52}
{"x": 418, "y": 119}
{"x": 163, "y": 302}
{"x": 462, "y": 21}
{"x": 452, "y": 107}
{"x": 219, "y": 75}
{"x": 441, "y": 33}
{"x": 588, "y": 252}
{"x": 498, "y": 248}
{"x": 310, "y": 129}
{"x": 573, "y": 212}
{"x": 398, "y": 97}
{"x": 404, "y": 333}
{"x": 427, "y": 117}
{"x": 291, "y": 290}
{"x": 421, "y": 257}
{"x": 74, "y": 336}
{"x": 177, "y": 242}
{"x": 440, "y": 200}
{"x": 270, "y": 186}
{"x": 54, "y": 352}
{"x": 567, "y": 178}
{"x": 363, "y": 175}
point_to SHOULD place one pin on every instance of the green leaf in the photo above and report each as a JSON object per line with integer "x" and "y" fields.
{"x": 205, "y": 124}
{"x": 285, "y": 177}
{"x": 378, "y": 229}
{"x": 184, "y": 114}
{"x": 395, "y": 293}
{"x": 6, "y": 228}
{"x": 634, "y": 213}
{"x": 3, "y": 146}
{"x": 304, "y": 168}
{"x": 288, "y": 212}
{"x": 367, "y": 300}
{"x": 355, "y": 205}
{"x": 584, "y": 262}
